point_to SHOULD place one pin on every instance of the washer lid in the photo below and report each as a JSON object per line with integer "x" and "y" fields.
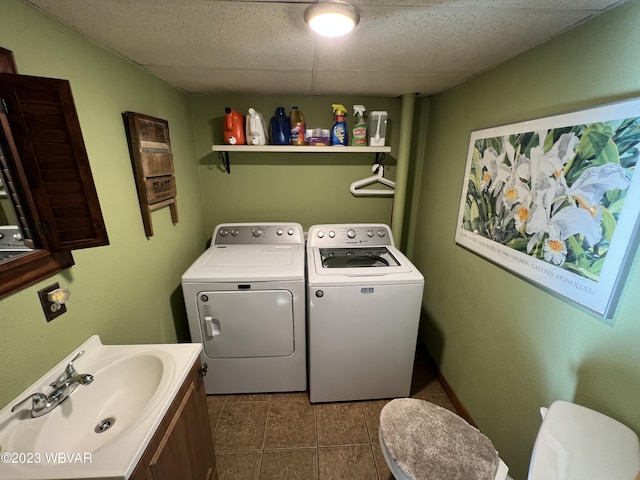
{"x": 392, "y": 268}
{"x": 576, "y": 443}
{"x": 373, "y": 257}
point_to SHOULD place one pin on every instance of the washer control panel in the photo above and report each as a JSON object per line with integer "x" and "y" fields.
{"x": 346, "y": 234}
{"x": 258, "y": 233}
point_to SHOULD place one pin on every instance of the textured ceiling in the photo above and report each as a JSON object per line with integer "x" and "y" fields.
{"x": 264, "y": 47}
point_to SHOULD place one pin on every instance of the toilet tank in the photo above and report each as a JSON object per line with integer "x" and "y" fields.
{"x": 576, "y": 443}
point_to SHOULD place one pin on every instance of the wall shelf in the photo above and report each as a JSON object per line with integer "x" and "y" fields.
{"x": 223, "y": 150}
{"x": 298, "y": 148}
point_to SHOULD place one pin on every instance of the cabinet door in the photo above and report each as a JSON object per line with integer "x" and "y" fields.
{"x": 186, "y": 450}
{"x": 182, "y": 447}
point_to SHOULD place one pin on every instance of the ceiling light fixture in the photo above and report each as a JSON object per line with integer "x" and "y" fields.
{"x": 331, "y": 19}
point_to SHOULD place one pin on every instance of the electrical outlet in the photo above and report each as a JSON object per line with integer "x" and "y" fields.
{"x": 51, "y": 310}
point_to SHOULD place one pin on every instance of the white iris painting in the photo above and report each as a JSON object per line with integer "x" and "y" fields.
{"x": 555, "y": 200}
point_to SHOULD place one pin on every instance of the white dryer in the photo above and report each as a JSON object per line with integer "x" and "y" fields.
{"x": 245, "y": 301}
{"x": 364, "y": 299}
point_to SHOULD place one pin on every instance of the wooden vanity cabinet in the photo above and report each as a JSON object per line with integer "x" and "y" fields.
{"x": 182, "y": 447}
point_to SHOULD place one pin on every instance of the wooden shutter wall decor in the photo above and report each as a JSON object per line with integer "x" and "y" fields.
{"x": 150, "y": 149}
{"x": 45, "y": 136}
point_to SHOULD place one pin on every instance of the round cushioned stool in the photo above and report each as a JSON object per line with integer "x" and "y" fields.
{"x": 422, "y": 441}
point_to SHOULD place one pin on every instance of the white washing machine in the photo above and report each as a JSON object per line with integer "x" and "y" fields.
{"x": 363, "y": 306}
{"x": 245, "y": 300}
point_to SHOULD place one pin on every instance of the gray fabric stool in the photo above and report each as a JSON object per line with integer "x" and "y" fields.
{"x": 428, "y": 442}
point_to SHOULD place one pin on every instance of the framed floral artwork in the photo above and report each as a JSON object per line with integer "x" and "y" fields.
{"x": 556, "y": 201}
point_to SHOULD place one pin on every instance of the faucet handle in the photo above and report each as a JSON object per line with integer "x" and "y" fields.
{"x": 69, "y": 371}
{"x": 38, "y": 400}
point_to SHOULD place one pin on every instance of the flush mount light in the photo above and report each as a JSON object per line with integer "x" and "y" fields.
{"x": 331, "y": 19}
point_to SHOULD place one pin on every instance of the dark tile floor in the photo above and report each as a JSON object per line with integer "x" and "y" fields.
{"x": 284, "y": 436}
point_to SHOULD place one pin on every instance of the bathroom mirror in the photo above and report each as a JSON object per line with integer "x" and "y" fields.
{"x": 49, "y": 205}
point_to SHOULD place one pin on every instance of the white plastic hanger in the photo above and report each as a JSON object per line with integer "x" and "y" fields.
{"x": 357, "y": 186}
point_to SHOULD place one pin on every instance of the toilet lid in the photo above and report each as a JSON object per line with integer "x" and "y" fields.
{"x": 429, "y": 442}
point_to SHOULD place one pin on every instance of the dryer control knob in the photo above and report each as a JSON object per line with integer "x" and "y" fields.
{"x": 291, "y": 231}
{"x": 382, "y": 233}
{"x": 279, "y": 232}
{"x": 351, "y": 233}
{"x": 257, "y": 232}
{"x": 320, "y": 234}
{"x": 369, "y": 233}
{"x": 235, "y": 232}
{"x": 224, "y": 232}
{"x": 332, "y": 234}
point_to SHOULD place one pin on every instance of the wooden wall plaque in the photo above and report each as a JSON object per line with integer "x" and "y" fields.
{"x": 150, "y": 149}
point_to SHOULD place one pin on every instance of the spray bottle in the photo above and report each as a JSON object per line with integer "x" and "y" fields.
{"x": 339, "y": 133}
{"x": 359, "y": 137}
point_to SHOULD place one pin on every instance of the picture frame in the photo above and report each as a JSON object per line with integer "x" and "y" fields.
{"x": 555, "y": 201}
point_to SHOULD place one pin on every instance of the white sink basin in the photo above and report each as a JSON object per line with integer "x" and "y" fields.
{"x": 103, "y": 428}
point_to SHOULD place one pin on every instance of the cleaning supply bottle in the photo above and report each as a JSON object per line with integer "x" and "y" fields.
{"x": 359, "y": 136}
{"x": 339, "y": 133}
{"x": 377, "y": 128}
{"x": 256, "y": 131}
{"x": 233, "y": 129}
{"x": 298, "y": 127}
{"x": 280, "y": 128}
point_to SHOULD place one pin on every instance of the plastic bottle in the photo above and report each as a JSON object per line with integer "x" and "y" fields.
{"x": 280, "y": 128}
{"x": 359, "y": 136}
{"x": 256, "y": 130}
{"x": 377, "y": 128}
{"x": 298, "y": 127}
{"x": 233, "y": 130}
{"x": 339, "y": 132}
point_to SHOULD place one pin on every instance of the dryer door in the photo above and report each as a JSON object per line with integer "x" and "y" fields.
{"x": 241, "y": 324}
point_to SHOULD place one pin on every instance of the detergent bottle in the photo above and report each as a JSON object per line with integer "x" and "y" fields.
{"x": 359, "y": 136}
{"x": 256, "y": 131}
{"x": 233, "y": 129}
{"x": 298, "y": 127}
{"x": 280, "y": 128}
{"x": 339, "y": 133}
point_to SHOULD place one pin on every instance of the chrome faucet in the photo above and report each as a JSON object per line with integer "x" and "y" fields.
{"x": 64, "y": 386}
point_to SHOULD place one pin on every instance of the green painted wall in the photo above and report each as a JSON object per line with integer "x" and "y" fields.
{"x": 127, "y": 292}
{"x": 507, "y": 347}
{"x": 295, "y": 187}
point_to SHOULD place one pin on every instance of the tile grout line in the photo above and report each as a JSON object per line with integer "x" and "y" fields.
{"x": 264, "y": 438}
{"x": 315, "y": 420}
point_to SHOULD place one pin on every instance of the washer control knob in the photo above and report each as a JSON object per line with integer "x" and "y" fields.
{"x": 257, "y": 232}
{"x": 279, "y": 232}
{"x": 235, "y": 232}
{"x": 332, "y": 234}
{"x": 369, "y": 233}
{"x": 382, "y": 233}
{"x": 320, "y": 234}
{"x": 351, "y": 233}
{"x": 291, "y": 231}
{"x": 224, "y": 232}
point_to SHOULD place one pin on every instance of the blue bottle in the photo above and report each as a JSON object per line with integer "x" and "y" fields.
{"x": 280, "y": 128}
{"x": 339, "y": 133}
